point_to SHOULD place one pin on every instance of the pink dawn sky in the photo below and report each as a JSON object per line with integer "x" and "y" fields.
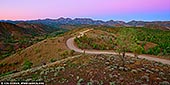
{"x": 96, "y": 9}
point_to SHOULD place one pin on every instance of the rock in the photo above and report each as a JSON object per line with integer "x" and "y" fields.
{"x": 56, "y": 74}
{"x": 156, "y": 64}
{"x": 143, "y": 69}
{"x": 126, "y": 69}
{"x": 148, "y": 71}
{"x": 121, "y": 68}
{"x": 164, "y": 83}
{"x": 153, "y": 69}
{"x": 115, "y": 67}
{"x": 140, "y": 70}
{"x": 127, "y": 62}
{"x": 156, "y": 70}
{"x": 116, "y": 64}
{"x": 138, "y": 81}
{"x": 112, "y": 58}
{"x": 52, "y": 79}
{"x": 145, "y": 78}
{"x": 107, "y": 63}
{"x": 112, "y": 69}
{"x": 104, "y": 72}
{"x": 161, "y": 73}
{"x": 110, "y": 75}
{"x": 29, "y": 79}
{"x": 121, "y": 78}
{"x": 131, "y": 62}
{"x": 165, "y": 78}
{"x": 40, "y": 79}
{"x": 115, "y": 76}
{"x": 108, "y": 67}
{"x": 158, "y": 78}
{"x": 134, "y": 71}
{"x": 108, "y": 59}
{"x": 42, "y": 72}
{"x": 147, "y": 74}
{"x": 71, "y": 75}
{"x": 146, "y": 66}
{"x": 78, "y": 77}
{"x": 101, "y": 58}
{"x": 13, "y": 80}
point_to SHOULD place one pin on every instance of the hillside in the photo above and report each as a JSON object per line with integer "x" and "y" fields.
{"x": 7, "y": 30}
{"x": 152, "y": 41}
{"x": 36, "y": 28}
{"x": 60, "y": 65}
{"x": 15, "y": 37}
{"x": 50, "y": 49}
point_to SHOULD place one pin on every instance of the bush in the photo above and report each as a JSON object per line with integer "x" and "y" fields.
{"x": 64, "y": 53}
{"x": 27, "y": 64}
{"x": 3, "y": 64}
{"x": 71, "y": 52}
{"x": 7, "y": 73}
{"x": 52, "y": 60}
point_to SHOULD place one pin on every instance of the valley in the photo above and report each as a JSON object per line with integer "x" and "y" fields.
{"x": 88, "y": 54}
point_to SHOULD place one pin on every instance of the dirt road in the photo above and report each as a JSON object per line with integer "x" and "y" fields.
{"x": 71, "y": 45}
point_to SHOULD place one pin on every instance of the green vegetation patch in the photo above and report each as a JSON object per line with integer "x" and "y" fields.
{"x": 153, "y": 41}
{"x": 27, "y": 65}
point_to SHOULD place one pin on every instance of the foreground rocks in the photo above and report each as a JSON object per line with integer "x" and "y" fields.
{"x": 102, "y": 69}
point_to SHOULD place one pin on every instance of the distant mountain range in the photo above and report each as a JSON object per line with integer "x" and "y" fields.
{"x": 165, "y": 25}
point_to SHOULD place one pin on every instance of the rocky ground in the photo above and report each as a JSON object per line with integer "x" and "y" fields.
{"x": 102, "y": 69}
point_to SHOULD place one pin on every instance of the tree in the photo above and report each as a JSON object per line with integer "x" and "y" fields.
{"x": 126, "y": 41}
{"x": 137, "y": 49}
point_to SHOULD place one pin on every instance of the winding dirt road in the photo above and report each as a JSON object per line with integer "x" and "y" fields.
{"x": 70, "y": 44}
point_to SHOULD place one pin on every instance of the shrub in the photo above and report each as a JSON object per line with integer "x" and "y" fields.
{"x": 64, "y": 53}
{"x": 37, "y": 50}
{"x": 7, "y": 73}
{"x": 3, "y": 64}
{"x": 52, "y": 60}
{"x": 71, "y": 52}
{"x": 27, "y": 64}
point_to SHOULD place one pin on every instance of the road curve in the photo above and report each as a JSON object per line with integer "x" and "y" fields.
{"x": 70, "y": 44}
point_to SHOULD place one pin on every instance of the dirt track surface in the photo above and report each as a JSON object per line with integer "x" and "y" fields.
{"x": 71, "y": 45}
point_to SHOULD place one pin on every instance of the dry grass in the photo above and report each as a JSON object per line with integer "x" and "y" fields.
{"x": 39, "y": 53}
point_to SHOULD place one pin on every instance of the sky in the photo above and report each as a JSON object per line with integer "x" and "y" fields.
{"x": 126, "y": 10}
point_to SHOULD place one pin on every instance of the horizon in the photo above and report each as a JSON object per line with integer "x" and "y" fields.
{"x": 117, "y": 10}
{"x": 85, "y": 18}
